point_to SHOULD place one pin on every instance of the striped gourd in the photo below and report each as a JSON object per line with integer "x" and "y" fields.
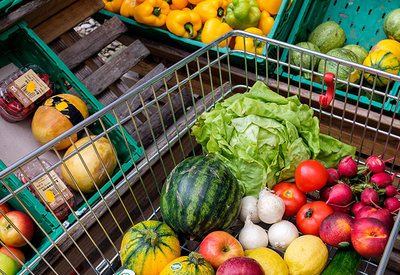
{"x": 381, "y": 60}
{"x": 148, "y": 247}
{"x": 194, "y": 264}
{"x": 199, "y": 196}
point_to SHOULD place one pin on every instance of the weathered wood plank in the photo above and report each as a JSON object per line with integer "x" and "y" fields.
{"x": 91, "y": 44}
{"x": 61, "y": 22}
{"x": 34, "y": 12}
{"x": 150, "y": 130}
{"x": 107, "y": 74}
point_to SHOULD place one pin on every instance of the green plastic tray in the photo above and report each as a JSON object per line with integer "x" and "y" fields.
{"x": 7, "y": 6}
{"x": 22, "y": 46}
{"x": 363, "y": 24}
{"x": 284, "y": 21}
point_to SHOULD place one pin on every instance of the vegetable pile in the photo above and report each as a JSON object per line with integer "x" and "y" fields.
{"x": 262, "y": 137}
{"x": 204, "y": 20}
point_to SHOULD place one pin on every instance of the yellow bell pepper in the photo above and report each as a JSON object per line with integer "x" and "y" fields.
{"x": 195, "y": 2}
{"x": 112, "y": 5}
{"x": 127, "y": 7}
{"x": 152, "y": 13}
{"x": 211, "y": 9}
{"x": 266, "y": 22}
{"x": 251, "y": 45}
{"x": 272, "y": 6}
{"x": 184, "y": 23}
{"x": 177, "y": 4}
{"x": 213, "y": 29}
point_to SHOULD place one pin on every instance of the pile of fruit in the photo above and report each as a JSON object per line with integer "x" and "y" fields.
{"x": 204, "y": 20}
{"x": 201, "y": 200}
{"x": 329, "y": 38}
{"x": 11, "y": 255}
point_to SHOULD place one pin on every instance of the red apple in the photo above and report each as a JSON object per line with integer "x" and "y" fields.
{"x": 219, "y": 246}
{"x": 17, "y": 253}
{"x": 335, "y": 229}
{"x": 369, "y": 237}
{"x": 240, "y": 266}
{"x": 381, "y": 214}
{"x": 9, "y": 235}
{"x": 5, "y": 208}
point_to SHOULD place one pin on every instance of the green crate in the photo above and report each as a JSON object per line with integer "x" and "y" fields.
{"x": 280, "y": 30}
{"x": 21, "y": 46}
{"x": 363, "y": 25}
{"x": 7, "y": 6}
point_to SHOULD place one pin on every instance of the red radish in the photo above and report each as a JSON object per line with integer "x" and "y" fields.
{"x": 369, "y": 196}
{"x": 356, "y": 207}
{"x": 391, "y": 191}
{"x": 348, "y": 167}
{"x": 333, "y": 176}
{"x": 340, "y": 195}
{"x": 324, "y": 193}
{"x": 376, "y": 164}
{"x": 392, "y": 204}
{"x": 383, "y": 179}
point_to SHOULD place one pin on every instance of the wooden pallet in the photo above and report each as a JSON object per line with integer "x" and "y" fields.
{"x": 104, "y": 80}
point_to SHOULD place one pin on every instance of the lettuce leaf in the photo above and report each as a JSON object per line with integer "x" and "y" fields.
{"x": 262, "y": 137}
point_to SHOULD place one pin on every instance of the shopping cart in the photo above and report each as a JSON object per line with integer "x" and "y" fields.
{"x": 90, "y": 241}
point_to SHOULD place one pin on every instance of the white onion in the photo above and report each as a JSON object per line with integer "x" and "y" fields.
{"x": 281, "y": 234}
{"x": 252, "y": 236}
{"x": 249, "y": 205}
{"x": 270, "y": 207}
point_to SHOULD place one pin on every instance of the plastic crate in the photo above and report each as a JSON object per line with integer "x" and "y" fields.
{"x": 363, "y": 25}
{"x": 21, "y": 45}
{"x": 284, "y": 21}
{"x": 6, "y": 6}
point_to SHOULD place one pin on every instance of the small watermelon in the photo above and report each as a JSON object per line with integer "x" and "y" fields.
{"x": 305, "y": 60}
{"x": 360, "y": 51}
{"x": 381, "y": 60}
{"x": 391, "y": 25}
{"x": 327, "y": 36}
{"x": 199, "y": 196}
{"x": 344, "y": 72}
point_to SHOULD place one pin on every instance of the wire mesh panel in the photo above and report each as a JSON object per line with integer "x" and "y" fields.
{"x": 163, "y": 111}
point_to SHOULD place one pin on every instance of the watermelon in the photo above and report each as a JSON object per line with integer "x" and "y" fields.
{"x": 391, "y": 25}
{"x": 304, "y": 60}
{"x": 199, "y": 196}
{"x": 344, "y": 72}
{"x": 360, "y": 51}
{"x": 327, "y": 36}
{"x": 381, "y": 60}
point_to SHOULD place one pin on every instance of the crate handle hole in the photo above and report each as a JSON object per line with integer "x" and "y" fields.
{"x": 383, "y": 15}
{"x": 363, "y": 29}
{"x": 358, "y": 8}
{"x": 351, "y": 24}
{"x": 370, "y": 11}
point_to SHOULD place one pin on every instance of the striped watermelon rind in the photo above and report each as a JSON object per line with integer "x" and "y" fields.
{"x": 199, "y": 196}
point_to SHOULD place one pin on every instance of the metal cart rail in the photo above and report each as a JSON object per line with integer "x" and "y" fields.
{"x": 135, "y": 196}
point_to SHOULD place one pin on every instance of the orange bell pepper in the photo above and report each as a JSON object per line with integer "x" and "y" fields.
{"x": 266, "y": 22}
{"x": 112, "y": 5}
{"x": 184, "y": 23}
{"x": 177, "y": 4}
{"x": 272, "y": 6}
{"x": 211, "y": 9}
{"x": 127, "y": 7}
{"x": 213, "y": 29}
{"x": 249, "y": 43}
{"x": 152, "y": 13}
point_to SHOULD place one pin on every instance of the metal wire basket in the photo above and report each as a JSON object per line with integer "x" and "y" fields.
{"x": 90, "y": 240}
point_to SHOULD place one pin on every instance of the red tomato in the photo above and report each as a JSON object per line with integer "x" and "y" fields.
{"x": 310, "y": 175}
{"x": 292, "y": 196}
{"x": 310, "y": 217}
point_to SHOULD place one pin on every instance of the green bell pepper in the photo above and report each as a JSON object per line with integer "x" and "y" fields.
{"x": 243, "y": 14}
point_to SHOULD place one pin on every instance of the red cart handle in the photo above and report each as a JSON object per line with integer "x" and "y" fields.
{"x": 325, "y": 100}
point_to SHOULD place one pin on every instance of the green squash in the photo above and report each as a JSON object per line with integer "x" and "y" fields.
{"x": 391, "y": 25}
{"x": 327, "y": 36}
{"x": 304, "y": 60}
